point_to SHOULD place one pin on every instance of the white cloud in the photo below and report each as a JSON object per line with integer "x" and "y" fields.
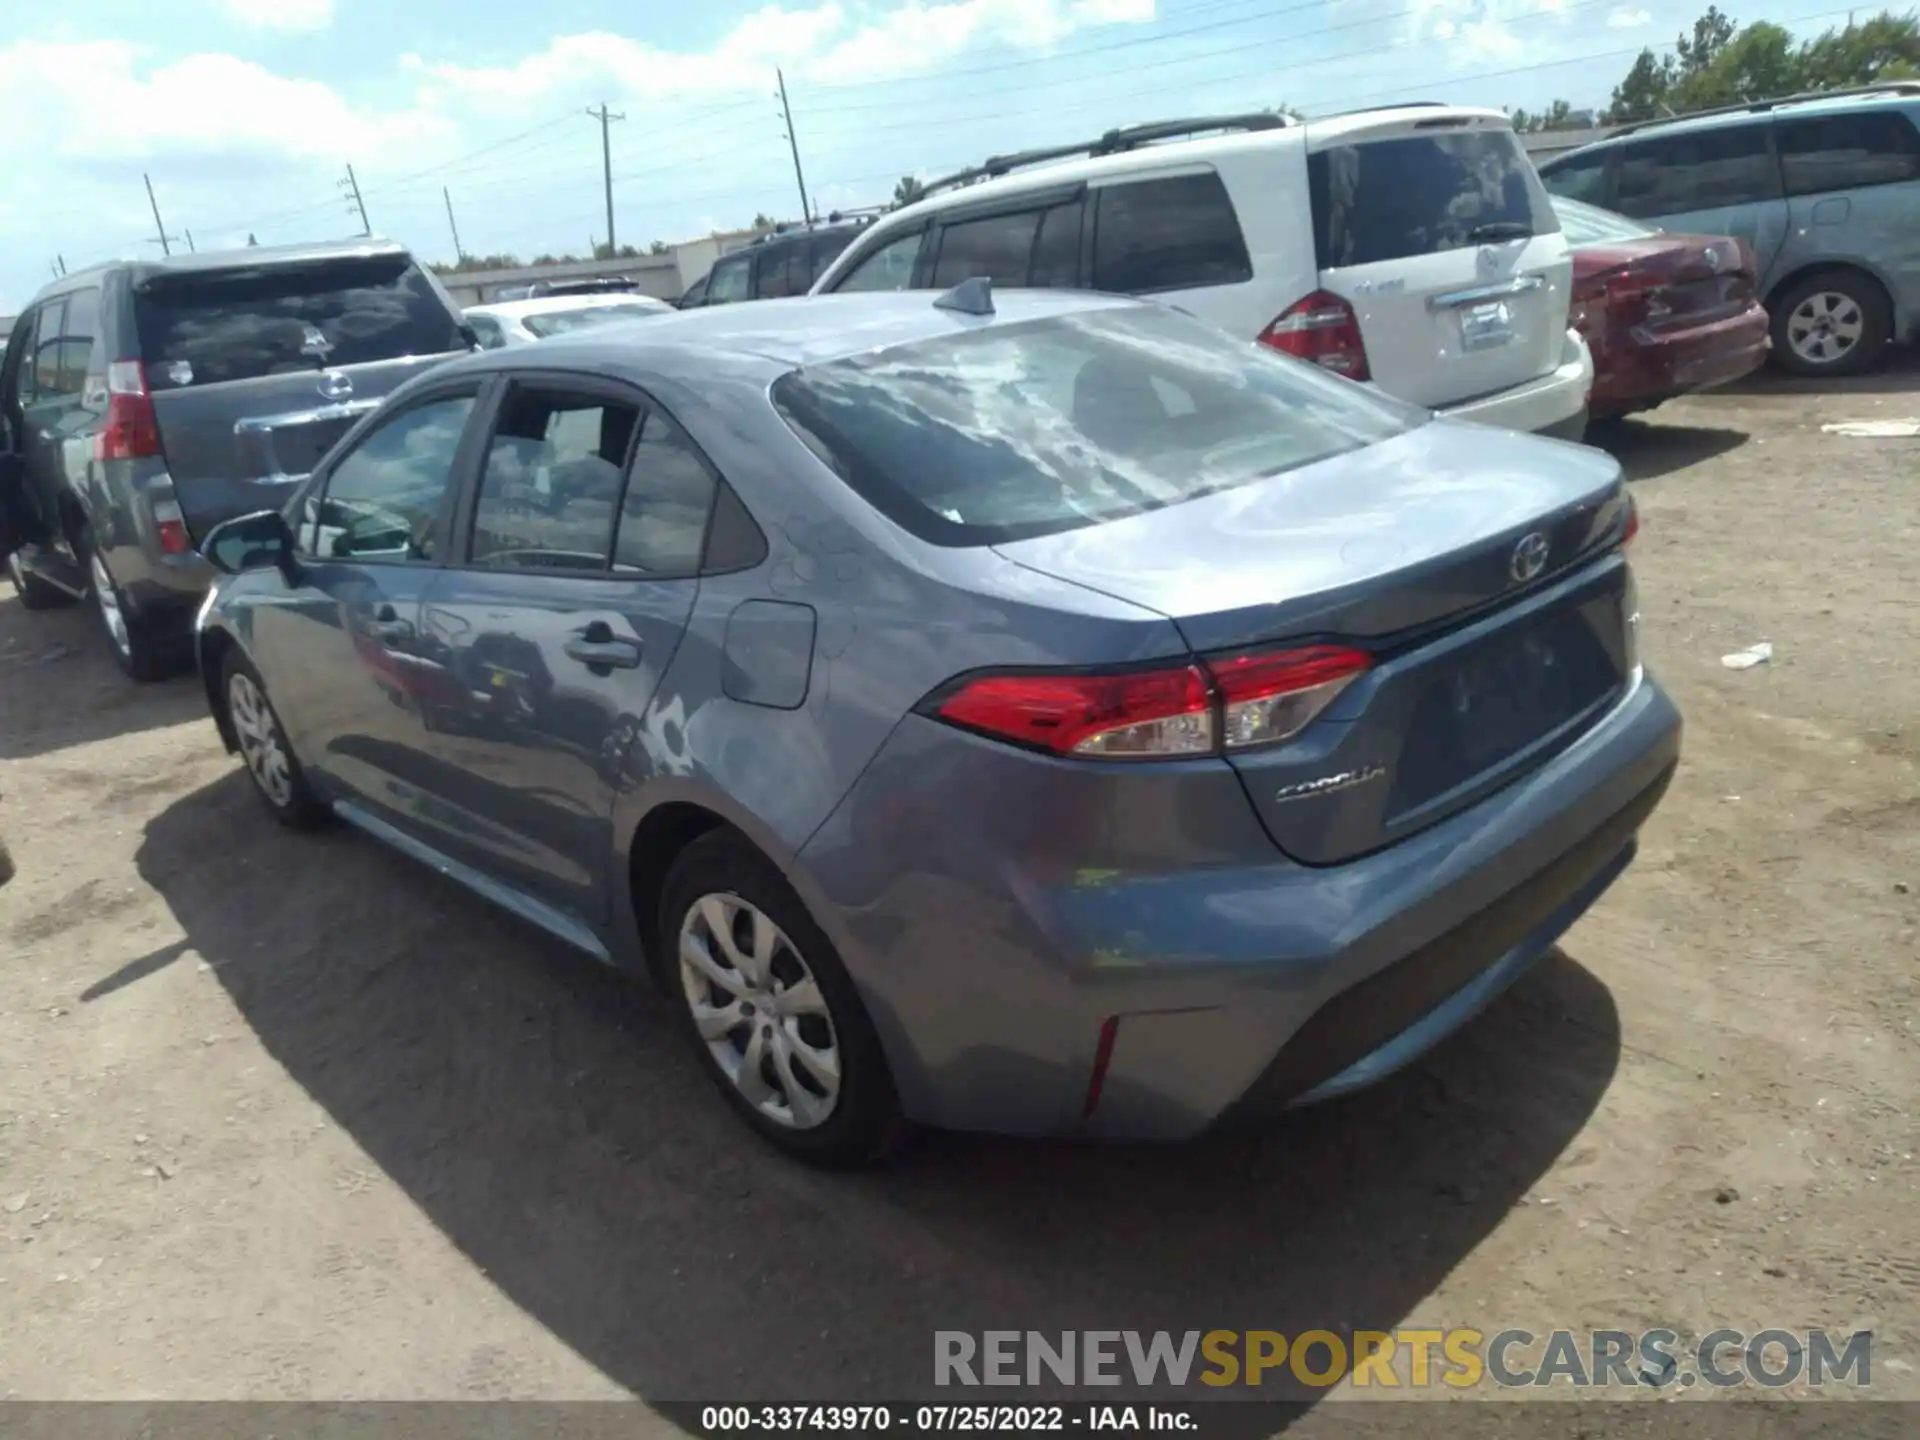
{"x": 293, "y": 16}
{"x": 1481, "y": 30}
{"x": 92, "y": 100}
{"x": 825, "y": 42}
{"x": 1624, "y": 19}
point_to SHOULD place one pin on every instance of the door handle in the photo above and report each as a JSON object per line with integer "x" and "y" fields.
{"x": 596, "y": 645}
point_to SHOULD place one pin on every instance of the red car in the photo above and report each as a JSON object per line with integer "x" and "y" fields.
{"x": 1663, "y": 314}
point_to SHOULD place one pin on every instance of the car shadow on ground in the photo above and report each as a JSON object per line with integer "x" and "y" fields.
{"x": 1647, "y": 450}
{"x": 544, "y": 1114}
{"x": 67, "y": 647}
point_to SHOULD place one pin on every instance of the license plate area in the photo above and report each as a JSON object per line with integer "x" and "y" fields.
{"x": 1486, "y": 326}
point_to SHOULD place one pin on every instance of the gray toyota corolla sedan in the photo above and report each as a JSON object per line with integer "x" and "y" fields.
{"x": 1032, "y": 712}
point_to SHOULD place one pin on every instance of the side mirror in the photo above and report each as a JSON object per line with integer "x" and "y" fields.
{"x": 251, "y": 542}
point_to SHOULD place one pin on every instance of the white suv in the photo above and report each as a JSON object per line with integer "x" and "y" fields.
{"x": 1412, "y": 247}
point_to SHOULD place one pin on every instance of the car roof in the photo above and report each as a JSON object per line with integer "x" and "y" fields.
{"x": 778, "y": 335}
{"x": 1762, "y": 113}
{"x": 248, "y": 257}
{"x": 543, "y": 304}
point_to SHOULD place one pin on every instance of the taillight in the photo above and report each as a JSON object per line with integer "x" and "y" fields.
{"x": 1321, "y": 328}
{"x": 130, "y": 430}
{"x": 1204, "y": 707}
{"x": 1633, "y": 523}
{"x": 1272, "y": 696}
{"x": 171, "y": 526}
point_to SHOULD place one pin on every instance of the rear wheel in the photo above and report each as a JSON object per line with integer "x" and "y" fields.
{"x": 35, "y": 593}
{"x": 1833, "y": 323}
{"x": 276, "y": 774}
{"x": 769, "y": 1008}
{"x": 130, "y": 633}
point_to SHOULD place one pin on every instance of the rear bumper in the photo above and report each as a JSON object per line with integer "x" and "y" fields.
{"x": 1554, "y": 404}
{"x": 1234, "y": 988}
{"x": 1634, "y": 371}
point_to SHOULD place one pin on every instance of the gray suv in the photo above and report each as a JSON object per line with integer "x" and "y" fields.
{"x": 1824, "y": 188}
{"x": 143, "y": 402}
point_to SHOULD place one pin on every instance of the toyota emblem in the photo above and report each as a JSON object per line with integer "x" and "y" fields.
{"x": 1529, "y": 557}
{"x": 335, "y": 386}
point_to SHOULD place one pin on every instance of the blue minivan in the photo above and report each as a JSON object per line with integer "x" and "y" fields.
{"x": 1825, "y": 188}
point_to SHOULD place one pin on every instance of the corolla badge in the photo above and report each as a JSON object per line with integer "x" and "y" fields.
{"x": 1529, "y": 557}
{"x": 335, "y": 385}
{"x": 1328, "y": 784}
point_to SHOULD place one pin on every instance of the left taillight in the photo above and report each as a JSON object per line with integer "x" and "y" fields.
{"x": 171, "y": 526}
{"x": 1204, "y": 707}
{"x": 130, "y": 430}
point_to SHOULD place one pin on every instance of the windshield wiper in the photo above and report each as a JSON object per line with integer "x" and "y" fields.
{"x": 1500, "y": 230}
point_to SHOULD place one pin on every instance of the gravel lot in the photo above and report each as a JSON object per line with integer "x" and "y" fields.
{"x": 288, "y": 1117}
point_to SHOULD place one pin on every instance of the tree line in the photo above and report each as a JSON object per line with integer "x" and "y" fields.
{"x": 1720, "y": 62}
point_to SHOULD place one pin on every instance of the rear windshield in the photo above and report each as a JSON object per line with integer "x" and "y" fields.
{"x": 241, "y": 325}
{"x": 559, "y": 322}
{"x": 1585, "y": 225}
{"x": 1049, "y": 425}
{"x": 1412, "y": 195}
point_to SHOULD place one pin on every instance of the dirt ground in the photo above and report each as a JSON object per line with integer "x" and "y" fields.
{"x": 288, "y": 1117}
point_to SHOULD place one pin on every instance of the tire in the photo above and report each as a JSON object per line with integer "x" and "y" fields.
{"x": 35, "y": 593}
{"x": 131, "y": 635}
{"x": 282, "y": 784}
{"x": 722, "y": 885}
{"x": 1834, "y": 322}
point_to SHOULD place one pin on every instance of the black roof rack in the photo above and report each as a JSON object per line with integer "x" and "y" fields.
{"x": 1886, "y": 87}
{"x": 861, "y": 215}
{"x": 1113, "y": 142}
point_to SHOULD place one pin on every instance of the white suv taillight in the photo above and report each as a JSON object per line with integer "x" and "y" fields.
{"x": 171, "y": 526}
{"x": 1321, "y": 328}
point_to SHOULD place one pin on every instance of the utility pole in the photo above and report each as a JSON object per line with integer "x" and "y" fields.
{"x": 458, "y": 253}
{"x": 806, "y": 211}
{"x": 352, "y": 186}
{"x": 190, "y": 246}
{"x": 63, "y": 263}
{"x": 165, "y": 247}
{"x": 605, "y": 117}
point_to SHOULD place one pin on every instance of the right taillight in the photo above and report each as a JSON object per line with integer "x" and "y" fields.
{"x": 130, "y": 430}
{"x": 1633, "y": 524}
{"x": 1321, "y": 328}
{"x": 1204, "y": 707}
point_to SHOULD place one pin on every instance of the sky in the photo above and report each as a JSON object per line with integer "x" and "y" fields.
{"x": 245, "y": 114}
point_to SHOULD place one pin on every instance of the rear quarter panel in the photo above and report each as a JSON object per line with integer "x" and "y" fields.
{"x": 1268, "y": 187}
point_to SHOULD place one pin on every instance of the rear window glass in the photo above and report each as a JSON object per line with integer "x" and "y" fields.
{"x": 560, "y": 322}
{"x": 1414, "y": 195}
{"x": 1177, "y": 233}
{"x": 1578, "y": 177}
{"x": 1590, "y": 225}
{"x": 1846, "y": 152}
{"x": 205, "y": 329}
{"x": 1049, "y": 425}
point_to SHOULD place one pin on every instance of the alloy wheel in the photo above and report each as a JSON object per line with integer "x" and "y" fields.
{"x": 108, "y": 599}
{"x": 1825, "y": 326}
{"x": 760, "y": 1011}
{"x": 259, "y": 737}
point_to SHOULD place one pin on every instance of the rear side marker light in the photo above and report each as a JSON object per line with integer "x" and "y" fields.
{"x": 1633, "y": 524}
{"x": 1102, "y": 1058}
{"x": 1321, "y": 328}
{"x": 1205, "y": 707}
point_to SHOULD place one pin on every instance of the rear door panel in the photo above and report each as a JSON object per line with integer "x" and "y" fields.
{"x": 1448, "y": 313}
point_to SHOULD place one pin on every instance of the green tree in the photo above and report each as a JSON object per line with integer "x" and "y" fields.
{"x": 908, "y": 190}
{"x": 1642, "y": 94}
{"x": 659, "y": 247}
{"x": 1712, "y": 33}
{"x": 1759, "y": 63}
{"x": 1887, "y": 47}
{"x": 763, "y": 221}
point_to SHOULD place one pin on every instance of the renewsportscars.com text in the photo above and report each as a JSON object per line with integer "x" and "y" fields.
{"x": 1457, "y": 1359}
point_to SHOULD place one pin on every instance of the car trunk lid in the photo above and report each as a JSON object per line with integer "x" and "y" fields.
{"x": 1662, "y": 282}
{"x": 255, "y": 370}
{"x": 1434, "y": 230}
{"x": 1476, "y": 568}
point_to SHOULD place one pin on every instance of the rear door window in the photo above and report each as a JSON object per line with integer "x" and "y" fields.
{"x": 1178, "y": 232}
{"x": 1412, "y": 195}
{"x": 551, "y": 485}
{"x": 1702, "y": 170}
{"x": 1056, "y": 251}
{"x": 1846, "y": 152}
{"x": 242, "y": 325}
{"x": 825, "y": 250}
{"x": 783, "y": 271}
{"x": 663, "y": 516}
{"x": 43, "y": 373}
{"x": 76, "y": 340}
{"x": 998, "y": 248}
